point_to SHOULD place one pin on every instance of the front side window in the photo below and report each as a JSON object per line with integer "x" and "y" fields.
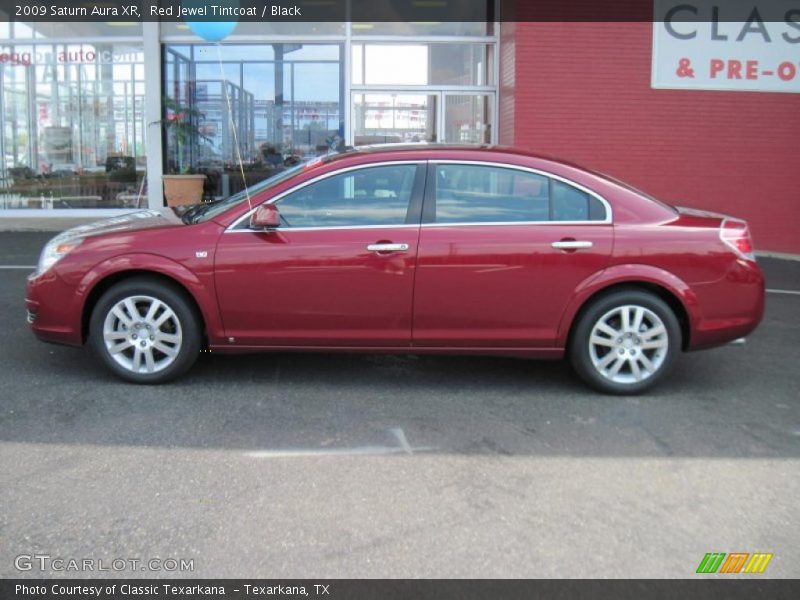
{"x": 486, "y": 194}
{"x": 368, "y": 196}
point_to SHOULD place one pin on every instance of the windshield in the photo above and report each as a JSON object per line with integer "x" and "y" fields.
{"x": 203, "y": 212}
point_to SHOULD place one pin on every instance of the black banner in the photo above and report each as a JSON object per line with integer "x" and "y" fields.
{"x": 395, "y": 10}
{"x": 390, "y": 589}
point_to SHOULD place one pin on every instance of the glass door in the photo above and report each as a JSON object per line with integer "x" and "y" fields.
{"x": 468, "y": 118}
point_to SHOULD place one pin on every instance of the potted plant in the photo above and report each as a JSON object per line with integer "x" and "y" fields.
{"x": 182, "y": 186}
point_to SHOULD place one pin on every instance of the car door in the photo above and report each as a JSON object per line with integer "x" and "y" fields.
{"x": 502, "y": 250}
{"x": 339, "y": 270}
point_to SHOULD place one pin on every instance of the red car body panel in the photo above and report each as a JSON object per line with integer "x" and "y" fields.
{"x": 489, "y": 289}
{"x": 471, "y": 281}
{"x": 316, "y": 288}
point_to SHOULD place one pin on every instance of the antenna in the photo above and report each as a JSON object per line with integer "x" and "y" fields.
{"x": 224, "y": 83}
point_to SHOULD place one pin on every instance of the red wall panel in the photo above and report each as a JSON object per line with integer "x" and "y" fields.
{"x": 581, "y": 91}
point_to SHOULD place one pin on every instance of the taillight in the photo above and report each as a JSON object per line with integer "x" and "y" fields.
{"x": 736, "y": 235}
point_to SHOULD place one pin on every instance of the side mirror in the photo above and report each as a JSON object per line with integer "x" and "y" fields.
{"x": 266, "y": 217}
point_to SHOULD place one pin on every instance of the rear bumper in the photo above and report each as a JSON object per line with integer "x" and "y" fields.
{"x": 730, "y": 308}
{"x": 48, "y": 302}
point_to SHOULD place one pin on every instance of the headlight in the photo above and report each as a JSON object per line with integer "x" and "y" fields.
{"x": 55, "y": 250}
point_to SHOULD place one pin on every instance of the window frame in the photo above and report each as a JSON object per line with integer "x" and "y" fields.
{"x": 429, "y": 202}
{"x": 413, "y": 213}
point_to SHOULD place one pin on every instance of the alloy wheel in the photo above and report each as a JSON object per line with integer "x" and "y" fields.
{"x": 628, "y": 344}
{"x": 142, "y": 334}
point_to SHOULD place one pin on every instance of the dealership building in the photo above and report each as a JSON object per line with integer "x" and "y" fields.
{"x": 700, "y": 113}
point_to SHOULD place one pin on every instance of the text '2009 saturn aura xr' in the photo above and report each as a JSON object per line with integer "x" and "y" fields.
{"x": 410, "y": 249}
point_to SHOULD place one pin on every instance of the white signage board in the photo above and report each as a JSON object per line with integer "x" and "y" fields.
{"x": 733, "y": 45}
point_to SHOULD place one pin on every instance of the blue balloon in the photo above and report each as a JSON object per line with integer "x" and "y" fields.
{"x": 212, "y": 31}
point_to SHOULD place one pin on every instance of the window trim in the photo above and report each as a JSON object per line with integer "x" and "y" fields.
{"x": 428, "y": 216}
{"x": 414, "y": 204}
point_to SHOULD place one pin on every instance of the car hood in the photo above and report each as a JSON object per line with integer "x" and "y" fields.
{"x": 145, "y": 219}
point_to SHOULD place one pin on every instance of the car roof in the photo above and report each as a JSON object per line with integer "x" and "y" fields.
{"x": 435, "y": 147}
{"x": 443, "y": 148}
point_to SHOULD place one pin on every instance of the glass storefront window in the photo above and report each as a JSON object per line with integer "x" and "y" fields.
{"x": 279, "y": 102}
{"x": 453, "y": 101}
{"x": 422, "y": 64}
{"x": 403, "y": 117}
{"x": 389, "y": 118}
{"x": 72, "y": 115}
{"x": 73, "y": 126}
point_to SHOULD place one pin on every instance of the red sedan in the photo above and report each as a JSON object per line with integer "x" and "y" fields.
{"x": 458, "y": 250}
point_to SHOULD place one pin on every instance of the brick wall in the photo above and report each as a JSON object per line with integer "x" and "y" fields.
{"x": 507, "y": 78}
{"x": 581, "y": 91}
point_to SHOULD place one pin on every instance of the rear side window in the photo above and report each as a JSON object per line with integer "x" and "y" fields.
{"x": 368, "y": 196}
{"x": 486, "y": 194}
{"x": 483, "y": 194}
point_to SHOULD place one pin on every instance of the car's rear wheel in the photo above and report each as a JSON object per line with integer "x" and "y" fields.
{"x": 625, "y": 342}
{"x": 145, "y": 331}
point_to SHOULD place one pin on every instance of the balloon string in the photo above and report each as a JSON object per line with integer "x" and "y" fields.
{"x": 224, "y": 83}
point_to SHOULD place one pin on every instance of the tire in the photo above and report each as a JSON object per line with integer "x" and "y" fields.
{"x": 612, "y": 354}
{"x": 166, "y": 335}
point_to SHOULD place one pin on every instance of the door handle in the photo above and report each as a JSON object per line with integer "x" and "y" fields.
{"x": 571, "y": 244}
{"x": 387, "y": 247}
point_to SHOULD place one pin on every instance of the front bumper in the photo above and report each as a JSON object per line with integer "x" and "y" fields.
{"x": 49, "y": 303}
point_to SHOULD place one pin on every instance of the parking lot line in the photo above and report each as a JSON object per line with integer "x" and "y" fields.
{"x": 17, "y": 267}
{"x": 403, "y": 447}
{"x": 315, "y": 453}
{"x": 791, "y": 292}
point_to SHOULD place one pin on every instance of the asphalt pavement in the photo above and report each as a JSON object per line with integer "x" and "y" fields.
{"x": 335, "y": 466}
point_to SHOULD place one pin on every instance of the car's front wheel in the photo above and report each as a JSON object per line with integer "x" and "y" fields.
{"x": 145, "y": 331}
{"x": 625, "y": 342}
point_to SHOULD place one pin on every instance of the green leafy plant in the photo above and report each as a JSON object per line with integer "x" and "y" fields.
{"x": 184, "y": 123}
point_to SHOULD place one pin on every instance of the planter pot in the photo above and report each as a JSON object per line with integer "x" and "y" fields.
{"x": 183, "y": 189}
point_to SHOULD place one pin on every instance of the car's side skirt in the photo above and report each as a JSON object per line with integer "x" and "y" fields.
{"x": 538, "y": 353}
